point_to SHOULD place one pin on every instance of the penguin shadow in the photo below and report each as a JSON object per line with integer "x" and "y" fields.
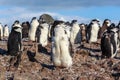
{"x": 51, "y": 67}
{"x": 116, "y": 76}
{"x": 90, "y": 49}
{"x": 3, "y": 51}
{"x": 43, "y": 50}
{"x": 31, "y": 55}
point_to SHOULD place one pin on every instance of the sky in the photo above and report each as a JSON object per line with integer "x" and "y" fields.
{"x": 82, "y": 10}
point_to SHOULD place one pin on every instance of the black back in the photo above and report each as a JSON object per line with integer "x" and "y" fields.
{"x": 106, "y": 42}
{"x": 14, "y": 42}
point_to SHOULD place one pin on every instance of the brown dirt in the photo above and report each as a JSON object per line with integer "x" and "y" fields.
{"x": 87, "y": 65}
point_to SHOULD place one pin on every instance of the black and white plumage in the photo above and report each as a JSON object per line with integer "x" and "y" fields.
{"x": 83, "y": 28}
{"x": 60, "y": 47}
{"x": 75, "y": 34}
{"x": 44, "y": 29}
{"x": 33, "y": 28}
{"x": 14, "y": 44}
{"x": 105, "y": 25}
{"x": 92, "y": 31}
{"x": 110, "y": 42}
{"x": 6, "y": 31}
{"x": 68, "y": 29}
{"x": 118, "y": 26}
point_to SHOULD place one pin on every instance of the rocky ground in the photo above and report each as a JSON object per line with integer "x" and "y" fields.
{"x": 87, "y": 64}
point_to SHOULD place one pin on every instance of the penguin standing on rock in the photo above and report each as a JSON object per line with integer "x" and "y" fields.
{"x": 14, "y": 44}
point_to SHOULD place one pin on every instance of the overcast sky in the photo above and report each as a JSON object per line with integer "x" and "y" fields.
{"x": 82, "y": 10}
